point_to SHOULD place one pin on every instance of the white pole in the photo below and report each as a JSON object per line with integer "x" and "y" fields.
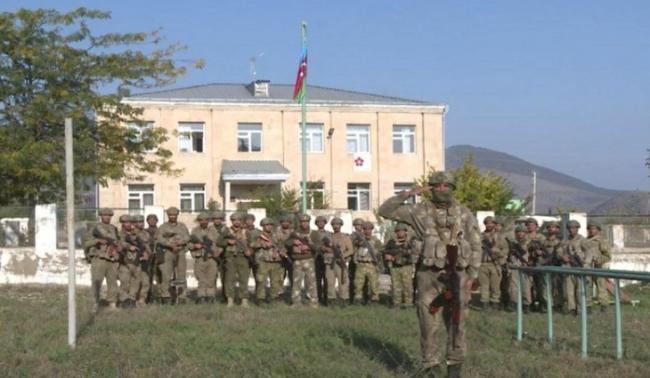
{"x": 69, "y": 214}
{"x": 534, "y": 192}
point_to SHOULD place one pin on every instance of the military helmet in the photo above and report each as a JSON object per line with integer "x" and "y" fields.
{"x": 368, "y": 226}
{"x": 336, "y": 220}
{"x": 304, "y": 217}
{"x": 218, "y": 215}
{"x": 489, "y": 218}
{"x": 320, "y": 218}
{"x": 106, "y": 211}
{"x": 499, "y": 220}
{"x": 266, "y": 221}
{"x": 124, "y": 218}
{"x": 150, "y": 216}
{"x": 358, "y": 222}
{"x": 172, "y": 211}
{"x": 249, "y": 217}
{"x": 552, "y": 223}
{"x": 531, "y": 220}
{"x": 203, "y": 217}
{"x": 520, "y": 228}
{"x": 138, "y": 218}
{"x": 441, "y": 177}
{"x": 594, "y": 224}
{"x": 401, "y": 226}
{"x": 236, "y": 216}
{"x": 573, "y": 223}
{"x": 286, "y": 218}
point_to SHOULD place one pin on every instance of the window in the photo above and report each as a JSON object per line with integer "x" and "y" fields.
{"x": 358, "y": 138}
{"x": 399, "y": 187}
{"x": 403, "y": 139}
{"x": 315, "y": 195}
{"x": 190, "y": 137}
{"x": 359, "y": 196}
{"x": 314, "y": 133}
{"x": 192, "y": 197}
{"x": 140, "y": 196}
{"x": 249, "y": 137}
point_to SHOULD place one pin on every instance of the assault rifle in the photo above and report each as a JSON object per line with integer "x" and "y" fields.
{"x": 274, "y": 246}
{"x": 396, "y": 250}
{"x": 517, "y": 252}
{"x": 338, "y": 259}
{"x": 304, "y": 240}
{"x": 141, "y": 248}
{"x": 361, "y": 241}
{"x": 545, "y": 258}
{"x": 574, "y": 259}
{"x": 486, "y": 247}
{"x": 451, "y": 294}
{"x": 206, "y": 243}
{"x": 112, "y": 246}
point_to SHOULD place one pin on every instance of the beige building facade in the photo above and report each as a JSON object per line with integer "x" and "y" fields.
{"x": 233, "y": 141}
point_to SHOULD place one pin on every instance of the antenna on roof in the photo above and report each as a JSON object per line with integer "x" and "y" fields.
{"x": 253, "y": 65}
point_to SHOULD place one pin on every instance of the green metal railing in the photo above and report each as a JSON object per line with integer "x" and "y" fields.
{"x": 582, "y": 273}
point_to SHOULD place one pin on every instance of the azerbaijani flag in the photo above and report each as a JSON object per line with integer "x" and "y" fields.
{"x": 301, "y": 77}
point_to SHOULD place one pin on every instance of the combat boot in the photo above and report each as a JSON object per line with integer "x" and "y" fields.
{"x": 485, "y": 306}
{"x": 453, "y": 371}
{"x": 343, "y": 303}
{"x": 112, "y": 306}
{"x": 231, "y": 302}
{"x": 140, "y": 303}
{"x": 244, "y": 302}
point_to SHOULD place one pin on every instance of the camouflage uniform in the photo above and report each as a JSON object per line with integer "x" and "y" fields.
{"x": 575, "y": 253}
{"x": 236, "y": 261}
{"x": 219, "y": 230}
{"x": 204, "y": 250}
{"x": 333, "y": 271}
{"x": 602, "y": 255}
{"x": 101, "y": 247}
{"x": 282, "y": 234}
{"x": 302, "y": 251}
{"x": 135, "y": 253}
{"x": 552, "y": 248}
{"x": 519, "y": 256}
{"x": 439, "y": 223}
{"x": 317, "y": 237}
{"x": 144, "y": 241}
{"x": 494, "y": 254}
{"x": 400, "y": 266}
{"x": 167, "y": 236}
{"x": 367, "y": 258}
{"x": 267, "y": 252}
{"x": 156, "y": 260}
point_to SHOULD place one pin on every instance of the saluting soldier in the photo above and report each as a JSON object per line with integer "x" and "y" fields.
{"x": 602, "y": 256}
{"x": 102, "y": 247}
{"x": 494, "y": 252}
{"x": 173, "y": 237}
{"x": 336, "y": 263}
{"x": 400, "y": 255}
{"x": 268, "y": 254}
{"x": 237, "y": 256}
{"x": 450, "y": 261}
{"x": 302, "y": 251}
{"x": 367, "y": 249}
{"x": 204, "y": 250}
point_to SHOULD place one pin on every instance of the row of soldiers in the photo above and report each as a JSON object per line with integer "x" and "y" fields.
{"x": 331, "y": 266}
{"x": 527, "y": 246}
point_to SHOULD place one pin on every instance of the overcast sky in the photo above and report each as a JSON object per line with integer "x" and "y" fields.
{"x": 564, "y": 84}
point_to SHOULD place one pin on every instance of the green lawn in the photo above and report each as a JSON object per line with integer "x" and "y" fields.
{"x": 203, "y": 340}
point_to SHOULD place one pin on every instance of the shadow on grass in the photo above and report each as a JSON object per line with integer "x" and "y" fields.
{"x": 389, "y": 354}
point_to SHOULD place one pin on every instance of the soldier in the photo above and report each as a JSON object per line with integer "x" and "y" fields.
{"x": 399, "y": 254}
{"x": 282, "y": 233}
{"x": 519, "y": 256}
{"x": 450, "y": 260}
{"x": 301, "y": 250}
{"x": 172, "y": 237}
{"x": 317, "y": 238}
{"x": 336, "y": 258}
{"x": 501, "y": 236}
{"x": 204, "y": 250}
{"x": 268, "y": 255}
{"x": 575, "y": 253}
{"x": 219, "y": 228}
{"x": 532, "y": 228}
{"x": 494, "y": 253}
{"x": 157, "y": 258}
{"x": 357, "y": 225}
{"x": 602, "y": 257}
{"x": 367, "y": 259}
{"x": 130, "y": 270}
{"x": 237, "y": 257}
{"x": 146, "y": 259}
{"x": 552, "y": 249}
{"x": 252, "y": 233}
{"x": 102, "y": 247}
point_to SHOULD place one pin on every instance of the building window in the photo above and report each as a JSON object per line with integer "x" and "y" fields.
{"x": 400, "y": 187}
{"x": 192, "y": 197}
{"x": 314, "y": 133}
{"x": 249, "y": 137}
{"x": 359, "y": 196}
{"x": 140, "y": 195}
{"x": 315, "y": 195}
{"x": 190, "y": 137}
{"x": 403, "y": 139}
{"x": 358, "y": 138}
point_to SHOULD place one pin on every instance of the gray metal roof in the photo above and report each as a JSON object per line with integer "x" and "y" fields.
{"x": 255, "y": 167}
{"x": 278, "y": 93}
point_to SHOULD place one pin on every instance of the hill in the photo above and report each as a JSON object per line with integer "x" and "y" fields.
{"x": 628, "y": 203}
{"x": 554, "y": 189}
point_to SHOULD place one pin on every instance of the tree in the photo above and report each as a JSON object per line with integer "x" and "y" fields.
{"x": 475, "y": 189}
{"x": 52, "y": 67}
{"x": 276, "y": 203}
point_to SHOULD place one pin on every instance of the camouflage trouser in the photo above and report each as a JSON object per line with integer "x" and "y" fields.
{"x": 272, "y": 270}
{"x": 146, "y": 284}
{"x": 539, "y": 285}
{"x": 303, "y": 270}
{"x": 429, "y": 287}
{"x": 401, "y": 280}
{"x": 237, "y": 270}
{"x": 489, "y": 279}
{"x": 513, "y": 287}
{"x": 603, "y": 294}
{"x": 336, "y": 274}
{"x": 129, "y": 275}
{"x": 206, "y": 273}
{"x": 369, "y": 271}
{"x": 100, "y": 269}
{"x": 572, "y": 291}
{"x": 173, "y": 262}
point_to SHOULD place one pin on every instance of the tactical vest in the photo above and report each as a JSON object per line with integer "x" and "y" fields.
{"x": 446, "y": 226}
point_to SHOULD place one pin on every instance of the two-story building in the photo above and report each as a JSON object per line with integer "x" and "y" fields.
{"x": 232, "y": 140}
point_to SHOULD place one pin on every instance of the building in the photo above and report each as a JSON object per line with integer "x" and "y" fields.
{"x": 233, "y": 140}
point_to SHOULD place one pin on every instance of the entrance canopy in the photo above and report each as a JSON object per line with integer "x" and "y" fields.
{"x": 253, "y": 171}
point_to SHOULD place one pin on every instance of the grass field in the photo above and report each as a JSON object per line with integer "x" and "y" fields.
{"x": 202, "y": 340}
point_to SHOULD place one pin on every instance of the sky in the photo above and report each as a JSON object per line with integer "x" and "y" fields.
{"x": 563, "y": 84}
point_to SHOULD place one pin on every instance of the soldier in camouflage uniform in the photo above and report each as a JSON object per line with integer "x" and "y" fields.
{"x": 204, "y": 250}
{"x": 219, "y": 227}
{"x": 102, "y": 247}
{"x": 129, "y": 270}
{"x": 145, "y": 260}
{"x": 552, "y": 249}
{"x": 400, "y": 255}
{"x": 494, "y": 254}
{"x": 357, "y": 231}
{"x": 268, "y": 255}
{"x": 519, "y": 256}
{"x": 576, "y": 254}
{"x": 602, "y": 255}
{"x": 334, "y": 270}
{"x": 302, "y": 252}
{"x": 367, "y": 258}
{"x": 156, "y": 275}
{"x": 172, "y": 237}
{"x": 445, "y": 227}
{"x": 317, "y": 237}
{"x": 237, "y": 256}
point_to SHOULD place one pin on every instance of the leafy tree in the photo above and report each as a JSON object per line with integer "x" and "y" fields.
{"x": 276, "y": 203}
{"x": 475, "y": 189}
{"x": 52, "y": 66}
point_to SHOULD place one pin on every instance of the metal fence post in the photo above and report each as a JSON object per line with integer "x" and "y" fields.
{"x": 549, "y": 305}
{"x": 617, "y": 319}
{"x": 520, "y": 316}
{"x": 583, "y": 316}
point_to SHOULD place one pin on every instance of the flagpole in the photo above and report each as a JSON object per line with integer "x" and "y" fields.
{"x": 303, "y": 130}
